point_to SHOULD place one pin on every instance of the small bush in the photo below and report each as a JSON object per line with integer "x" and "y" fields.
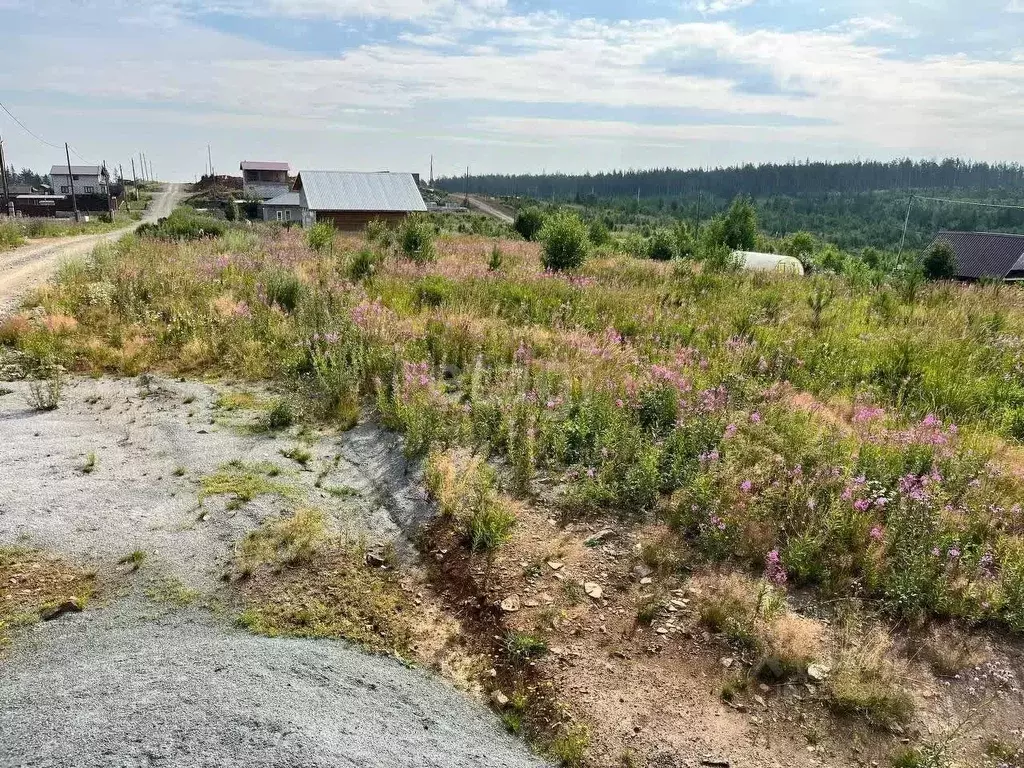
{"x": 321, "y": 236}
{"x": 496, "y": 260}
{"x": 44, "y": 394}
{"x": 417, "y": 239}
{"x": 939, "y": 261}
{"x": 570, "y": 748}
{"x": 599, "y": 234}
{"x": 284, "y": 289}
{"x": 362, "y": 265}
{"x": 280, "y": 416}
{"x": 464, "y": 487}
{"x": 529, "y": 223}
{"x": 182, "y": 224}
{"x": 566, "y": 244}
{"x": 662, "y": 246}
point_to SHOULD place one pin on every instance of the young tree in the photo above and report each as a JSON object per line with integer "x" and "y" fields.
{"x": 741, "y": 225}
{"x": 528, "y": 223}
{"x": 566, "y": 244}
{"x": 662, "y": 246}
{"x": 686, "y": 242}
{"x": 599, "y": 234}
{"x": 940, "y": 261}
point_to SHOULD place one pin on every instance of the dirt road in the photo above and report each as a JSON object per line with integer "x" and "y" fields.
{"x": 24, "y": 268}
{"x": 490, "y": 210}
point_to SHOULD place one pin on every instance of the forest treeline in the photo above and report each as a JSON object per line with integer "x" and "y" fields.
{"x": 853, "y": 204}
{"x": 791, "y": 179}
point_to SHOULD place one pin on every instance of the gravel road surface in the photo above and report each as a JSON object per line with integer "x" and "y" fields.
{"x": 132, "y": 683}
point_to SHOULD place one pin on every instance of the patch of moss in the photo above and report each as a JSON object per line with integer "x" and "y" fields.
{"x": 244, "y": 482}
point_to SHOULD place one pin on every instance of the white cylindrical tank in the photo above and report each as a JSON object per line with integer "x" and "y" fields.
{"x": 769, "y": 262}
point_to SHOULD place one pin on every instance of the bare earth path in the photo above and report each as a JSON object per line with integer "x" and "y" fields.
{"x": 23, "y": 268}
{"x": 490, "y": 210}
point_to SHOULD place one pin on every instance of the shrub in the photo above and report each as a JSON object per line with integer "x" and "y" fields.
{"x": 565, "y": 240}
{"x": 465, "y": 490}
{"x": 44, "y": 394}
{"x": 321, "y": 236}
{"x": 280, "y": 416}
{"x": 939, "y": 261}
{"x": 529, "y": 223}
{"x": 686, "y": 242}
{"x": 231, "y": 212}
{"x": 598, "y": 233}
{"x": 417, "y": 239}
{"x": 740, "y": 225}
{"x": 363, "y": 264}
{"x": 663, "y": 246}
{"x": 284, "y": 289}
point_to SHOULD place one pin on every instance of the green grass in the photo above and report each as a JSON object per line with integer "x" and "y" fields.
{"x": 829, "y": 421}
{"x": 244, "y": 482}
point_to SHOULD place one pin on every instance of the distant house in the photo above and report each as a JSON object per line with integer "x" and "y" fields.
{"x": 284, "y": 208}
{"x": 986, "y": 255}
{"x": 22, "y": 189}
{"x": 264, "y": 180}
{"x": 86, "y": 179}
{"x": 350, "y": 200}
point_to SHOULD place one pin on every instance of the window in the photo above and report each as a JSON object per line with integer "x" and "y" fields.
{"x": 90, "y": 190}
{"x": 75, "y": 178}
{"x": 284, "y": 215}
{"x": 65, "y": 190}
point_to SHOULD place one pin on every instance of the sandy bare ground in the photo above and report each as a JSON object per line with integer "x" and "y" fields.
{"x": 135, "y": 679}
{"x": 24, "y": 268}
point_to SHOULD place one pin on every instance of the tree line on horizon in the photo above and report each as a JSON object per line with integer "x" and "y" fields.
{"x": 789, "y": 179}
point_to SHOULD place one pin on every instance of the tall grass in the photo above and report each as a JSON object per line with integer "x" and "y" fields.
{"x": 856, "y": 443}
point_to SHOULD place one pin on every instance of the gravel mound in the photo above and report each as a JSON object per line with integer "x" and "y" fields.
{"x": 192, "y": 693}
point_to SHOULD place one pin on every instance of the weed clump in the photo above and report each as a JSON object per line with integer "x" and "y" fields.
{"x": 464, "y": 487}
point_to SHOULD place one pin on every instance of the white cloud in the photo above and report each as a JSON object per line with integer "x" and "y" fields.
{"x": 838, "y": 88}
{"x": 720, "y": 6}
{"x": 1015, "y": 6}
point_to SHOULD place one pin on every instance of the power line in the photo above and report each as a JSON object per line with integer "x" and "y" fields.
{"x": 39, "y": 138}
{"x": 30, "y": 133}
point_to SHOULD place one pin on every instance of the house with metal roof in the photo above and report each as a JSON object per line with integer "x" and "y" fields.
{"x": 263, "y": 180}
{"x": 351, "y": 200}
{"x": 991, "y": 255}
{"x": 86, "y": 179}
{"x": 286, "y": 208}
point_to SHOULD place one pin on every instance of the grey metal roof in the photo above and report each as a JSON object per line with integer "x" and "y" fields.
{"x": 984, "y": 254}
{"x": 350, "y": 191}
{"x": 287, "y": 199}
{"x": 76, "y": 170}
{"x": 262, "y": 165}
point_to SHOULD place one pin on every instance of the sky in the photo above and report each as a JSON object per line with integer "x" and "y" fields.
{"x": 509, "y": 86}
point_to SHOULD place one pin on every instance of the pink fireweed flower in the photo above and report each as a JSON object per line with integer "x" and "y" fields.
{"x": 746, "y": 486}
{"x": 861, "y": 505}
{"x": 774, "y": 570}
{"x": 755, "y": 418}
{"x": 730, "y": 430}
{"x": 876, "y": 533}
{"x": 619, "y": 403}
{"x": 717, "y": 522}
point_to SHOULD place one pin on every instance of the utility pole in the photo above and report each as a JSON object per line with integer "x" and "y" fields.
{"x": 142, "y": 165}
{"x": 151, "y": 175}
{"x": 71, "y": 181}
{"x": 8, "y": 203}
{"x": 209, "y": 156}
{"x": 467, "y": 183}
{"x": 135, "y": 180}
{"x": 431, "y": 171}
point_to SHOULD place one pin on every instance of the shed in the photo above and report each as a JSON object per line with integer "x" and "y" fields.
{"x": 986, "y": 255}
{"x": 283, "y": 208}
{"x": 769, "y": 262}
{"x": 351, "y": 200}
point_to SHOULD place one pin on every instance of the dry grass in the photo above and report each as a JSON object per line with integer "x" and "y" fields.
{"x": 31, "y": 582}
{"x": 867, "y": 676}
{"x": 302, "y": 581}
{"x": 949, "y": 651}
{"x": 465, "y": 489}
